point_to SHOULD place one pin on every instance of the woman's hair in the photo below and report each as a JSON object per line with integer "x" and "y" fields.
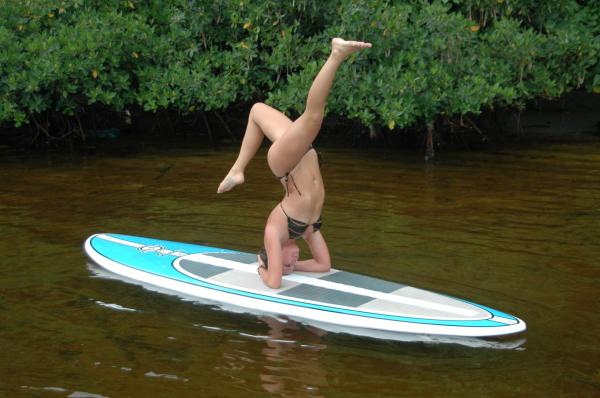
{"x": 262, "y": 253}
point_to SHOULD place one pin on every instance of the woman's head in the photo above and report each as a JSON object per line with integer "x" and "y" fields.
{"x": 290, "y": 253}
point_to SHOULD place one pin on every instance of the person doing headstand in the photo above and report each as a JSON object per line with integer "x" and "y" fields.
{"x": 295, "y": 163}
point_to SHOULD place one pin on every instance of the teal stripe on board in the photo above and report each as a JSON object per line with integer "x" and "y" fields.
{"x": 150, "y": 262}
{"x": 187, "y": 248}
{"x": 493, "y": 311}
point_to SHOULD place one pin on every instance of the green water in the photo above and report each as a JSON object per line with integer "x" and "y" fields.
{"x": 517, "y": 230}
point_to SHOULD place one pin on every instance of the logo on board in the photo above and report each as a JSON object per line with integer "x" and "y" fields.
{"x": 161, "y": 251}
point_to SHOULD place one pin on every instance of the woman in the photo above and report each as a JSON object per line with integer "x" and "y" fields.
{"x": 295, "y": 163}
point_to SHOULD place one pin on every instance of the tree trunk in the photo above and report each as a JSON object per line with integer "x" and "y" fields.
{"x": 429, "y": 151}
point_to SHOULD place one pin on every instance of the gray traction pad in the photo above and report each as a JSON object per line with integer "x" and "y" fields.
{"x": 202, "y": 270}
{"x": 327, "y": 296}
{"x": 365, "y": 282}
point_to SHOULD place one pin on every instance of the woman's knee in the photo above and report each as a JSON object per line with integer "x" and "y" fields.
{"x": 261, "y": 107}
{"x": 313, "y": 119}
{"x": 256, "y": 108}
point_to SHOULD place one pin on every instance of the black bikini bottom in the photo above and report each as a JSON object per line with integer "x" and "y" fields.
{"x": 297, "y": 228}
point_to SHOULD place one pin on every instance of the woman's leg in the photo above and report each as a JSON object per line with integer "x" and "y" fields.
{"x": 262, "y": 121}
{"x": 286, "y": 152}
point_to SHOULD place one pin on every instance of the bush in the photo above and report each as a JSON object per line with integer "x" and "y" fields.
{"x": 431, "y": 60}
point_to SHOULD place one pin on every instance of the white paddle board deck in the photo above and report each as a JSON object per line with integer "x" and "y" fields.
{"x": 341, "y": 300}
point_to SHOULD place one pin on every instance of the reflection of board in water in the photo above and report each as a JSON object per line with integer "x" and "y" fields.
{"x": 337, "y": 301}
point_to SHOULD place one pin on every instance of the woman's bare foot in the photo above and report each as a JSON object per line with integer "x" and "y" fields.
{"x": 341, "y": 49}
{"x": 231, "y": 180}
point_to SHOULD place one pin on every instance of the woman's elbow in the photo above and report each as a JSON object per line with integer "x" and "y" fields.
{"x": 274, "y": 284}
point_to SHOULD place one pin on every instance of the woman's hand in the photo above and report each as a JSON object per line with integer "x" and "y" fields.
{"x": 288, "y": 269}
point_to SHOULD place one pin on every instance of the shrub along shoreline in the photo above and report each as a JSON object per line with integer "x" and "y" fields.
{"x": 68, "y": 69}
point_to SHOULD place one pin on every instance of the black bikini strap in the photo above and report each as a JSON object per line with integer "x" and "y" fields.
{"x": 283, "y": 210}
{"x": 287, "y": 177}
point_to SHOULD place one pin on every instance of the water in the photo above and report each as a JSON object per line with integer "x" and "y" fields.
{"x": 516, "y": 229}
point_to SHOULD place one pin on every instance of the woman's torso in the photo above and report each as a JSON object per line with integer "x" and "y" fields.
{"x": 305, "y": 193}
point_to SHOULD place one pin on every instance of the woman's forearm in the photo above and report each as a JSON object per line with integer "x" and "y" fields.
{"x": 311, "y": 265}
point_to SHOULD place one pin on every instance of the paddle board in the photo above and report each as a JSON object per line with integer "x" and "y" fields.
{"x": 337, "y": 300}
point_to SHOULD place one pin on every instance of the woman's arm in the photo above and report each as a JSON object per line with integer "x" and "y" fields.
{"x": 272, "y": 276}
{"x": 321, "y": 262}
{"x": 272, "y": 240}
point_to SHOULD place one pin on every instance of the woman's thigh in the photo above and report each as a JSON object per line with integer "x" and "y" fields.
{"x": 272, "y": 122}
{"x": 290, "y": 146}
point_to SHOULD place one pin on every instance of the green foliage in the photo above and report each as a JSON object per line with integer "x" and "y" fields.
{"x": 430, "y": 59}
{"x": 451, "y": 58}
